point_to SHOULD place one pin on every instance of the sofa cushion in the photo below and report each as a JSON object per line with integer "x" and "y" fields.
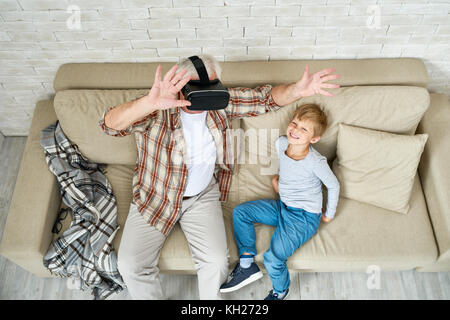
{"x": 79, "y": 112}
{"x": 377, "y": 167}
{"x": 395, "y": 109}
{"x": 360, "y": 235}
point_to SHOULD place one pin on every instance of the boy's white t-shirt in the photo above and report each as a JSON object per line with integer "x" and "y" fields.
{"x": 201, "y": 152}
{"x": 300, "y": 182}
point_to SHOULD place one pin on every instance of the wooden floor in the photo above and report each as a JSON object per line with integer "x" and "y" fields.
{"x": 16, "y": 283}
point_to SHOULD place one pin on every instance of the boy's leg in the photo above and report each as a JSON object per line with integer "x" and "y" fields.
{"x": 264, "y": 211}
{"x": 295, "y": 227}
{"x": 246, "y": 271}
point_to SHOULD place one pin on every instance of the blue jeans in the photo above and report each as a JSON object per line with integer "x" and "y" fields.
{"x": 294, "y": 226}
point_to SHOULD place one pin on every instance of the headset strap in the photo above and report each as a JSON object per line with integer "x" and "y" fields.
{"x": 201, "y": 69}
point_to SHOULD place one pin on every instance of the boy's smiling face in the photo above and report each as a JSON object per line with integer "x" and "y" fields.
{"x": 301, "y": 132}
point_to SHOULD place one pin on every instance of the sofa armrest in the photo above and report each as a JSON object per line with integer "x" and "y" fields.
{"x": 35, "y": 201}
{"x": 434, "y": 172}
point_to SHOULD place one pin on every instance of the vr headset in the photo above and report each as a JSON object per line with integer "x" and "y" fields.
{"x": 205, "y": 94}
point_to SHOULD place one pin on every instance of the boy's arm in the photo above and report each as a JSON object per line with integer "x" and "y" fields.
{"x": 324, "y": 173}
{"x": 276, "y": 177}
{"x": 275, "y": 182}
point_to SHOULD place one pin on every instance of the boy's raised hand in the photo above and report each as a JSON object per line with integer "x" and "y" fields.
{"x": 311, "y": 84}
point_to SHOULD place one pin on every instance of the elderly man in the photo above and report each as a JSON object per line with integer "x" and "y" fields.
{"x": 184, "y": 171}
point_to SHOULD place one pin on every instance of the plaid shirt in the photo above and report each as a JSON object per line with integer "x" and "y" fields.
{"x": 160, "y": 175}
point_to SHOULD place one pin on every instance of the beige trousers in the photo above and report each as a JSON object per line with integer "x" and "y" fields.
{"x": 202, "y": 223}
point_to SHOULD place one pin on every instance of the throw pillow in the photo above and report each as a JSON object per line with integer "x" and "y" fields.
{"x": 377, "y": 167}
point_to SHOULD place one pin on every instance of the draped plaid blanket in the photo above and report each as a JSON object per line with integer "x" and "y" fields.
{"x": 85, "y": 250}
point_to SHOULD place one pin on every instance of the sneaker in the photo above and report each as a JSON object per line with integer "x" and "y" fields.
{"x": 241, "y": 277}
{"x": 274, "y": 296}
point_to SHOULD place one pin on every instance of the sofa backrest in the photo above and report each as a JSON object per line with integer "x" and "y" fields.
{"x": 383, "y": 94}
{"x": 355, "y": 72}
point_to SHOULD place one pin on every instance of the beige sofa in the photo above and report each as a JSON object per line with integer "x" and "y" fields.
{"x": 360, "y": 236}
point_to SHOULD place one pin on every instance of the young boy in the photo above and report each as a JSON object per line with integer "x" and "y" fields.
{"x": 296, "y": 214}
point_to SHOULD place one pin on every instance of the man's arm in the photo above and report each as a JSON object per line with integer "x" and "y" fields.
{"x": 247, "y": 102}
{"x": 129, "y": 117}
{"x": 122, "y": 116}
{"x": 284, "y": 94}
{"x": 308, "y": 85}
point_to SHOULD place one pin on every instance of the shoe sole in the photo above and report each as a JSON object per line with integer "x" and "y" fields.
{"x": 252, "y": 278}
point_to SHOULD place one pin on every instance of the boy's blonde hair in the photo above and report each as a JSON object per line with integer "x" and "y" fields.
{"x": 315, "y": 114}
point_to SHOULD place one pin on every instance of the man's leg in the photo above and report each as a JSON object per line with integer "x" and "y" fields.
{"x": 138, "y": 257}
{"x": 203, "y": 226}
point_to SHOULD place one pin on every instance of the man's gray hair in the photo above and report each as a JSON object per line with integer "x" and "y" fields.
{"x": 211, "y": 64}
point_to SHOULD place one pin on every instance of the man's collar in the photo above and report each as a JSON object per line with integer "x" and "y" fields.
{"x": 174, "y": 116}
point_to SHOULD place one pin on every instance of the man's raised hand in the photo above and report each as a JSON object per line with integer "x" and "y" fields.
{"x": 164, "y": 92}
{"x": 311, "y": 84}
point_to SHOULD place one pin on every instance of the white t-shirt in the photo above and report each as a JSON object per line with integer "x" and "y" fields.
{"x": 201, "y": 152}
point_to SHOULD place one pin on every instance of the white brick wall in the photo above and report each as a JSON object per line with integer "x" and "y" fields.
{"x": 35, "y": 38}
